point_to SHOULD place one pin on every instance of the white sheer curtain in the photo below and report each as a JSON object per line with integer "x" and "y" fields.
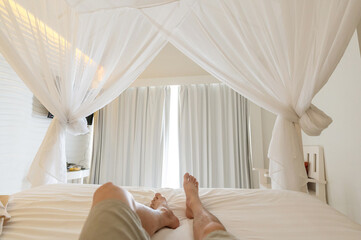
{"x": 213, "y": 136}
{"x": 279, "y": 54}
{"x": 130, "y": 138}
{"x": 74, "y": 63}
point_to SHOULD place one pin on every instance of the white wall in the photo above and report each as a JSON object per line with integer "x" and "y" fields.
{"x": 180, "y": 80}
{"x": 359, "y": 35}
{"x": 268, "y": 121}
{"x": 23, "y": 124}
{"x": 256, "y": 143}
{"x": 341, "y": 99}
{"x": 261, "y": 124}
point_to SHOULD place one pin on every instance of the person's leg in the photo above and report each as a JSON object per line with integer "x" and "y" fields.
{"x": 203, "y": 221}
{"x": 156, "y": 217}
{"x": 152, "y": 219}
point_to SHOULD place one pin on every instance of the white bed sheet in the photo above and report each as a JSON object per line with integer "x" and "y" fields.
{"x": 59, "y": 212}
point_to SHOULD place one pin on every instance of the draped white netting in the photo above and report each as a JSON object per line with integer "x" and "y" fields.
{"x": 74, "y": 63}
{"x": 77, "y": 56}
{"x": 279, "y": 54}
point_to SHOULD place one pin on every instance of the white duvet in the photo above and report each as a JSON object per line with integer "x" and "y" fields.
{"x": 59, "y": 212}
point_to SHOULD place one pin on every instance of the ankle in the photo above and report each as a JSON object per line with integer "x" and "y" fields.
{"x": 167, "y": 218}
{"x": 164, "y": 212}
{"x": 195, "y": 204}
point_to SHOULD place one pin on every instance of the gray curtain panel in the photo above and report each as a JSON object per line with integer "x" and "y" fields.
{"x": 129, "y": 138}
{"x": 213, "y": 136}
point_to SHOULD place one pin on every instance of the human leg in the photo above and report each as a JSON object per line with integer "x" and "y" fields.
{"x": 157, "y": 216}
{"x": 204, "y": 222}
{"x": 109, "y": 195}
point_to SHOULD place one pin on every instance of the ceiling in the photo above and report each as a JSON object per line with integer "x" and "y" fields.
{"x": 170, "y": 62}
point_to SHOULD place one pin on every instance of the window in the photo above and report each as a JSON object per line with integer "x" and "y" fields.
{"x": 170, "y": 174}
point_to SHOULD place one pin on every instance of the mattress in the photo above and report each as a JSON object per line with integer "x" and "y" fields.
{"x": 59, "y": 211}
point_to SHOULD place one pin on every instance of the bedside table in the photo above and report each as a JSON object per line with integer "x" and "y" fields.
{"x": 78, "y": 175}
{"x": 316, "y": 182}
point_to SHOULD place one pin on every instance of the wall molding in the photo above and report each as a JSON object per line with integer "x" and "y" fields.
{"x": 184, "y": 80}
{"x": 359, "y": 36}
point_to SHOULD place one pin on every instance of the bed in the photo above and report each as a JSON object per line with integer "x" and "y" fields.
{"x": 59, "y": 211}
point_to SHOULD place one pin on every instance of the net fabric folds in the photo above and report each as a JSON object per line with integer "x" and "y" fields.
{"x": 74, "y": 63}
{"x": 278, "y": 54}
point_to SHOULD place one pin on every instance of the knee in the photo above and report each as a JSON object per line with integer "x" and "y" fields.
{"x": 105, "y": 190}
{"x": 110, "y": 191}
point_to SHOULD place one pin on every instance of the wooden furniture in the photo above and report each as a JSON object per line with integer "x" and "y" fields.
{"x": 78, "y": 176}
{"x": 316, "y": 172}
{"x": 263, "y": 178}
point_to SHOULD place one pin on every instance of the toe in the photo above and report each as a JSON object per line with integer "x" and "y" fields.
{"x": 192, "y": 179}
{"x": 186, "y": 177}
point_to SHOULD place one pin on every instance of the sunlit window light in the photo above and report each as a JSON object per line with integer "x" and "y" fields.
{"x": 29, "y": 21}
{"x": 170, "y": 176}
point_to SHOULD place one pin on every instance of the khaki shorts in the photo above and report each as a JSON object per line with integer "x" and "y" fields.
{"x": 113, "y": 219}
{"x": 220, "y": 235}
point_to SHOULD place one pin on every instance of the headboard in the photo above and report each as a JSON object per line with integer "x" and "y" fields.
{"x": 316, "y": 165}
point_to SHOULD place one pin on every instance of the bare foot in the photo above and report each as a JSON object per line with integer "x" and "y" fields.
{"x": 160, "y": 203}
{"x": 193, "y": 202}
